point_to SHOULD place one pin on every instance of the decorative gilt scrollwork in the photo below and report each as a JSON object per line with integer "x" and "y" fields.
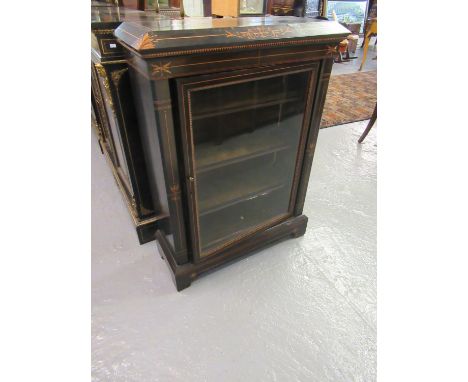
{"x": 146, "y": 42}
{"x": 100, "y": 69}
{"x": 260, "y": 32}
{"x": 117, "y": 75}
{"x": 103, "y": 31}
{"x": 277, "y": 10}
{"x": 102, "y": 72}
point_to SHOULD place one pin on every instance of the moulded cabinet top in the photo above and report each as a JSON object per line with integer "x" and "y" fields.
{"x": 176, "y": 36}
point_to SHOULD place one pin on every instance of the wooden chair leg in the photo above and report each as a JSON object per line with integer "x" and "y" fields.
{"x": 369, "y": 125}
{"x": 366, "y": 46}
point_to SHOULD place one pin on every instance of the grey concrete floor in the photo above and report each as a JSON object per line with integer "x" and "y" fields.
{"x": 303, "y": 310}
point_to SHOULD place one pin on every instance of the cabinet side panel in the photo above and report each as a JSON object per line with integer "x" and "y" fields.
{"x": 155, "y": 120}
{"x": 128, "y": 129}
{"x": 162, "y": 106}
{"x": 150, "y": 140}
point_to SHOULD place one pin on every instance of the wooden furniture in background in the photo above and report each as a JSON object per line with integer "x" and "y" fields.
{"x": 103, "y": 3}
{"x": 229, "y": 8}
{"x": 207, "y": 8}
{"x": 132, "y": 4}
{"x": 115, "y": 118}
{"x": 371, "y": 13}
{"x": 347, "y": 45}
{"x": 237, "y": 8}
{"x": 324, "y": 8}
{"x": 281, "y": 7}
{"x": 371, "y": 31}
{"x": 229, "y": 112}
{"x": 353, "y": 39}
{"x": 369, "y": 125}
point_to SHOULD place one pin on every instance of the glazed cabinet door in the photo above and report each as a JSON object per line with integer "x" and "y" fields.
{"x": 243, "y": 136}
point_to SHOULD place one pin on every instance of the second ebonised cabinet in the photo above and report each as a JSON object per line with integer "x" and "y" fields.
{"x": 229, "y": 112}
{"x": 115, "y": 118}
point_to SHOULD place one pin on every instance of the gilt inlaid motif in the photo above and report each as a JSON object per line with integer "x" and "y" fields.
{"x": 175, "y": 192}
{"x": 161, "y": 69}
{"x": 105, "y": 81}
{"x": 260, "y": 32}
{"x": 147, "y": 42}
{"x": 332, "y": 50}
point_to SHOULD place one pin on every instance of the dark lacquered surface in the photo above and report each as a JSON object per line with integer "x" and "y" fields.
{"x": 197, "y": 23}
{"x": 157, "y": 35}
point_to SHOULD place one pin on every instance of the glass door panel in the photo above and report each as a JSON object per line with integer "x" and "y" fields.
{"x": 246, "y": 138}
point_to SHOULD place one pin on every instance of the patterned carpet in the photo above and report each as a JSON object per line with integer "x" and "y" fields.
{"x": 350, "y": 98}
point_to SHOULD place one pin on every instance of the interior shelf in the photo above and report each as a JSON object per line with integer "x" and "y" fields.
{"x": 242, "y": 217}
{"x": 210, "y": 156}
{"x": 244, "y": 105}
{"x": 225, "y": 191}
{"x": 245, "y": 142}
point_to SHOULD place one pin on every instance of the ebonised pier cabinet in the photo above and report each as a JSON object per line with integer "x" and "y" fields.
{"x": 229, "y": 113}
{"x": 115, "y": 118}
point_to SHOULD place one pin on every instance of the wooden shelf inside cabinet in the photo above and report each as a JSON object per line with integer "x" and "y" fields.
{"x": 244, "y": 106}
{"x": 241, "y": 217}
{"x": 238, "y": 149}
{"x": 238, "y": 188}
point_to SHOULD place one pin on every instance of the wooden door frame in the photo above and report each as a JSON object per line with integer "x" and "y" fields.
{"x": 189, "y": 84}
